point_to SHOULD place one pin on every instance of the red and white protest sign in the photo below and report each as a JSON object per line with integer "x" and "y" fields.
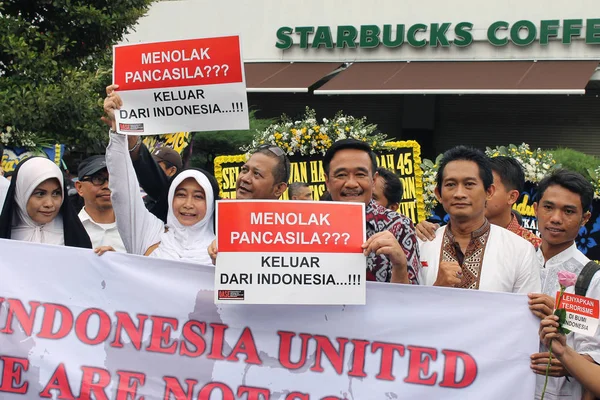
{"x": 582, "y": 313}
{"x": 181, "y": 86}
{"x": 290, "y": 252}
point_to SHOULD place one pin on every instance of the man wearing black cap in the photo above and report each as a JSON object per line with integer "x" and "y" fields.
{"x": 168, "y": 159}
{"x": 154, "y": 170}
{"x": 97, "y": 215}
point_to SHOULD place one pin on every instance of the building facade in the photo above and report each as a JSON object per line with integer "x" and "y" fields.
{"x": 442, "y": 73}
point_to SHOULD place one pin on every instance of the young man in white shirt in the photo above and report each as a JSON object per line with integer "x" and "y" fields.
{"x": 563, "y": 208}
{"x": 469, "y": 252}
{"x": 97, "y": 214}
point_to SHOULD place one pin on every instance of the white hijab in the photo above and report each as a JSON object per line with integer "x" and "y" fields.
{"x": 188, "y": 243}
{"x": 30, "y": 175}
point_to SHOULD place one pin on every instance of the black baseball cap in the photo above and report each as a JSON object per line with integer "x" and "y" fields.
{"x": 91, "y": 165}
{"x": 169, "y": 155}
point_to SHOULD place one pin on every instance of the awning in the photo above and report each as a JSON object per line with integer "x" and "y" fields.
{"x": 286, "y": 77}
{"x": 462, "y": 77}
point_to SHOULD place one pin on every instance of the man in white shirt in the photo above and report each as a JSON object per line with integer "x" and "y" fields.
{"x": 97, "y": 214}
{"x": 563, "y": 208}
{"x": 469, "y": 252}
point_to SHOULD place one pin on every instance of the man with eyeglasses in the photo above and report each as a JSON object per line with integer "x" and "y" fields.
{"x": 264, "y": 176}
{"x": 97, "y": 215}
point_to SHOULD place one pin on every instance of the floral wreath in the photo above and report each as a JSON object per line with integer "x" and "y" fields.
{"x": 11, "y": 137}
{"x": 595, "y": 181}
{"x": 309, "y": 136}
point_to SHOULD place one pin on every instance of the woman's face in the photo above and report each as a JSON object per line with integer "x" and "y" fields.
{"x": 44, "y": 203}
{"x": 189, "y": 202}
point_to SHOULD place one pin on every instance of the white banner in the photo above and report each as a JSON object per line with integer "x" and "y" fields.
{"x": 184, "y": 85}
{"x": 75, "y": 325}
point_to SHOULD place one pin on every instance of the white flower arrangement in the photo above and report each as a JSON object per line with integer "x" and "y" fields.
{"x": 310, "y": 136}
{"x": 595, "y": 181}
{"x": 10, "y": 137}
{"x": 536, "y": 164}
{"x": 430, "y": 169}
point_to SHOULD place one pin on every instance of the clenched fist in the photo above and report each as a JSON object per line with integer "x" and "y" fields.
{"x": 449, "y": 274}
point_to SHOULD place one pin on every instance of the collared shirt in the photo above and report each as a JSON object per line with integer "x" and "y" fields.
{"x": 571, "y": 260}
{"x": 508, "y": 262}
{"x": 380, "y": 219}
{"x": 472, "y": 259}
{"x": 526, "y": 234}
{"x": 102, "y": 234}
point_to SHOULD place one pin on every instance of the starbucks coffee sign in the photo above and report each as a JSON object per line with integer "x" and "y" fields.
{"x": 445, "y": 34}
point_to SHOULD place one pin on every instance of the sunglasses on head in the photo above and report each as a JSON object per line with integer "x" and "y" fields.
{"x": 272, "y": 148}
{"x": 278, "y": 152}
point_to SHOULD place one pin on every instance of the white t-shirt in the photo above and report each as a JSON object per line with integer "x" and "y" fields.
{"x": 509, "y": 263}
{"x": 102, "y": 234}
{"x": 571, "y": 260}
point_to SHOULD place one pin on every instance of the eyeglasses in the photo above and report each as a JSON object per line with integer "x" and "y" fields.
{"x": 97, "y": 180}
{"x": 278, "y": 151}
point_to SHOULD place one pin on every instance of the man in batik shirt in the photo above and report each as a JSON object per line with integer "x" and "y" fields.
{"x": 391, "y": 248}
{"x": 470, "y": 252}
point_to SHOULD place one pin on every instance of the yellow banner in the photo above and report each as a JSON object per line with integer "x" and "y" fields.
{"x": 11, "y": 157}
{"x": 403, "y": 158}
{"x": 177, "y": 141}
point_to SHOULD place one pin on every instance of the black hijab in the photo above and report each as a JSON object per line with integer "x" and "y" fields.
{"x": 75, "y": 234}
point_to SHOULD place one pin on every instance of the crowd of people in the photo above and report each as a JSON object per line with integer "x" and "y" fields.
{"x": 483, "y": 247}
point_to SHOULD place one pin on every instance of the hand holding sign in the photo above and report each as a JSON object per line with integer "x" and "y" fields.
{"x": 385, "y": 243}
{"x": 541, "y": 305}
{"x": 212, "y": 252}
{"x": 112, "y": 102}
{"x": 539, "y": 363}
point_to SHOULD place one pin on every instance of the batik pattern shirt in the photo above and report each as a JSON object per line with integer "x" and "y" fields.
{"x": 472, "y": 260}
{"x": 526, "y": 234}
{"x": 380, "y": 219}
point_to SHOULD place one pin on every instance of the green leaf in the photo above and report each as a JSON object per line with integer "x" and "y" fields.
{"x": 561, "y": 313}
{"x": 563, "y": 331}
{"x": 55, "y": 62}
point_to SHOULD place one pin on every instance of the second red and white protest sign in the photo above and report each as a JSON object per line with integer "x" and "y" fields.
{"x": 293, "y": 252}
{"x": 582, "y": 313}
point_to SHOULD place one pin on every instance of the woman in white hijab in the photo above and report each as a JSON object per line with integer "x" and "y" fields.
{"x": 36, "y": 208}
{"x": 190, "y": 220}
